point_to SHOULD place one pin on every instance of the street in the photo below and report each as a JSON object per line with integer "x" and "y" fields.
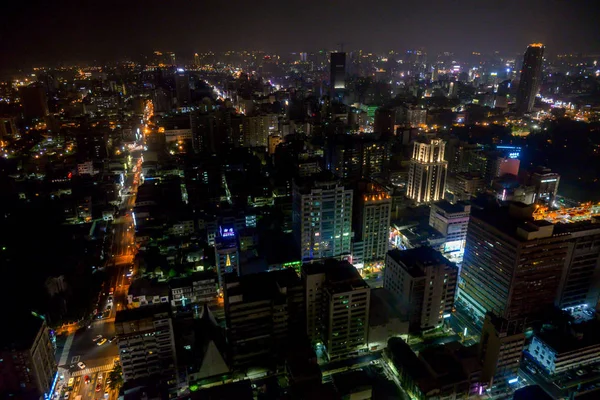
{"x": 99, "y": 356}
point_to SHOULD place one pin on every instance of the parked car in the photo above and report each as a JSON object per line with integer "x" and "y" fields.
{"x": 81, "y": 365}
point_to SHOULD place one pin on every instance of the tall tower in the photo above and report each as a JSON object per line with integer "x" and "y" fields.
{"x": 196, "y": 60}
{"x": 322, "y": 217}
{"x": 427, "y": 173}
{"x": 531, "y": 76}
{"x": 512, "y": 264}
{"x": 182, "y": 87}
{"x": 337, "y": 77}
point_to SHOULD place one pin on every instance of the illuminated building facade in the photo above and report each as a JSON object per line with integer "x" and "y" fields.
{"x": 512, "y": 263}
{"x": 545, "y": 183}
{"x": 322, "y": 217}
{"x": 531, "y": 77}
{"x": 371, "y": 223}
{"x": 227, "y": 255}
{"x": 427, "y": 173}
{"x": 452, "y": 221}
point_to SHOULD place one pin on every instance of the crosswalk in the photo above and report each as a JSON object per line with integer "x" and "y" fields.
{"x": 88, "y": 371}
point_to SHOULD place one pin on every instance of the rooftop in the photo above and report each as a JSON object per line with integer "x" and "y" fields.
{"x": 414, "y": 260}
{"x": 260, "y": 286}
{"x": 136, "y": 314}
{"x": 22, "y": 332}
{"x": 579, "y": 336}
{"x": 450, "y": 208}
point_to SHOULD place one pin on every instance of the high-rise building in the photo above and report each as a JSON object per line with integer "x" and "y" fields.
{"x": 27, "y": 365}
{"x": 425, "y": 284}
{"x": 356, "y": 157}
{"x": 427, "y": 173}
{"x": 451, "y": 220}
{"x": 256, "y": 129}
{"x": 337, "y": 308}
{"x": 34, "y": 101}
{"x": 512, "y": 263}
{"x": 371, "y": 224}
{"x": 227, "y": 254}
{"x": 322, "y": 217}
{"x": 337, "y": 76}
{"x": 385, "y": 119}
{"x": 196, "y": 60}
{"x": 182, "y": 88}
{"x": 531, "y": 77}
{"x": 580, "y": 279}
{"x": 545, "y": 183}
{"x": 264, "y": 314}
{"x": 500, "y": 351}
{"x": 8, "y": 128}
{"x": 146, "y": 342}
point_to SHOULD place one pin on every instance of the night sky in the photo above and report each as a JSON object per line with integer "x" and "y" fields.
{"x": 36, "y": 31}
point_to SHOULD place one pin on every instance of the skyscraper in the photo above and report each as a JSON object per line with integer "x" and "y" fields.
{"x": 182, "y": 88}
{"x": 424, "y": 283}
{"x": 512, "y": 264}
{"x": 196, "y": 60}
{"x": 371, "y": 223}
{"x": 337, "y": 77}
{"x": 531, "y": 76}
{"x": 337, "y": 307}
{"x": 322, "y": 217}
{"x": 263, "y": 313}
{"x": 27, "y": 365}
{"x": 427, "y": 173}
{"x": 227, "y": 258}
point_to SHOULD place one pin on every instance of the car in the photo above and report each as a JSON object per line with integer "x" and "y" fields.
{"x": 98, "y": 387}
{"x": 66, "y": 396}
{"x": 100, "y": 377}
{"x": 86, "y": 379}
{"x": 580, "y": 372}
{"x": 110, "y": 299}
{"x": 101, "y": 342}
{"x": 108, "y": 307}
{"x": 112, "y": 339}
{"x": 98, "y": 337}
{"x": 81, "y": 365}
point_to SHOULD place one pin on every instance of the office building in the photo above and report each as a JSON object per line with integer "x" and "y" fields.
{"x": 385, "y": 120}
{"x": 580, "y": 278}
{"x": 337, "y": 75}
{"x": 500, "y": 351}
{"x": 425, "y": 284}
{"x": 545, "y": 183}
{"x": 451, "y": 220}
{"x": 182, "y": 88}
{"x": 356, "y": 157}
{"x": 449, "y": 371}
{"x": 34, "y": 101}
{"x": 512, "y": 264}
{"x": 8, "y": 128}
{"x": 427, "y": 173}
{"x": 337, "y": 308}
{"x": 257, "y": 129}
{"x": 531, "y": 77}
{"x": 371, "y": 224}
{"x": 566, "y": 348}
{"x": 322, "y": 217}
{"x": 464, "y": 186}
{"x": 27, "y": 366}
{"x": 263, "y": 314}
{"x": 146, "y": 343}
{"x": 227, "y": 253}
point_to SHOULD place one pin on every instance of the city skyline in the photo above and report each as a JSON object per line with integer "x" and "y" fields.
{"x": 80, "y": 32}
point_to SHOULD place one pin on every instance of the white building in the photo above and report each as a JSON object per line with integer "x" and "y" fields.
{"x": 322, "y": 217}
{"x": 559, "y": 351}
{"x": 452, "y": 221}
{"x": 427, "y": 172}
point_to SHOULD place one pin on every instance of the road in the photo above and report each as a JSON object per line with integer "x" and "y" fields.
{"x": 99, "y": 359}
